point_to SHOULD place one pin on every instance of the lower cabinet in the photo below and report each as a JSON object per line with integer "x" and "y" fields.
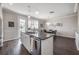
{"x": 25, "y": 39}
{"x": 37, "y": 47}
{"x": 77, "y": 40}
{"x": 47, "y": 46}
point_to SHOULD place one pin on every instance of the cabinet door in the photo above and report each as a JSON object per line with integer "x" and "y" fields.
{"x": 47, "y": 46}
{"x": 77, "y": 40}
{"x": 25, "y": 39}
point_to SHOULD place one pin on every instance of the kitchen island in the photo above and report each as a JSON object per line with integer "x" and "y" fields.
{"x": 38, "y": 45}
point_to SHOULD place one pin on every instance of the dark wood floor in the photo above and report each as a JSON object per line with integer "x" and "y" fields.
{"x": 13, "y": 47}
{"x": 62, "y": 46}
{"x": 65, "y": 46}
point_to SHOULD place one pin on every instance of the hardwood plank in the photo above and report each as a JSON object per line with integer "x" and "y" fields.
{"x": 13, "y": 47}
{"x": 65, "y": 46}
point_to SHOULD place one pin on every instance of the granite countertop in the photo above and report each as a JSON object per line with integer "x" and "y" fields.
{"x": 42, "y": 37}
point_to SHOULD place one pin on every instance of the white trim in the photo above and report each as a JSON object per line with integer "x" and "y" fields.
{"x": 74, "y": 14}
{"x": 10, "y": 39}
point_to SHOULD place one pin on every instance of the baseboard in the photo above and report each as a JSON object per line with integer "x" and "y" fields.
{"x": 10, "y": 39}
{"x": 66, "y": 37}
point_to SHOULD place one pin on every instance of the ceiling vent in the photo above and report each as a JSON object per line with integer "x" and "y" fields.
{"x": 51, "y": 12}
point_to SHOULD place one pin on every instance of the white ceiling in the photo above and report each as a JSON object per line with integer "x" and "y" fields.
{"x": 60, "y": 9}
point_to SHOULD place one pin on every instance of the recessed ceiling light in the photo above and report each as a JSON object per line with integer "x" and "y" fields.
{"x": 48, "y": 23}
{"x": 29, "y": 16}
{"x": 37, "y": 12}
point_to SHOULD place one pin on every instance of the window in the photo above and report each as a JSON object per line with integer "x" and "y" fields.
{"x": 22, "y": 25}
{"x": 32, "y": 24}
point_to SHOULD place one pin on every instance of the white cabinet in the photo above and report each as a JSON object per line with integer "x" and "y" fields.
{"x": 47, "y": 46}
{"x": 25, "y": 39}
{"x": 77, "y": 40}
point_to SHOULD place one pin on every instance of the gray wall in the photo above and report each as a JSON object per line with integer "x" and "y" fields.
{"x": 11, "y": 33}
{"x": 69, "y": 25}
